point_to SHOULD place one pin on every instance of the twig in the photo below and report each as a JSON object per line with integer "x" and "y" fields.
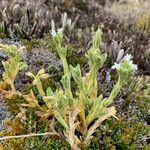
{"x": 28, "y": 135}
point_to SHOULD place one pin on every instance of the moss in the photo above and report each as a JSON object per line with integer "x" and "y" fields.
{"x": 13, "y": 106}
{"x": 30, "y": 44}
{"x": 32, "y": 124}
{"x": 123, "y": 134}
{"x": 2, "y": 35}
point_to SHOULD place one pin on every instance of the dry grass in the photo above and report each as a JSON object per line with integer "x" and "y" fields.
{"x": 128, "y": 10}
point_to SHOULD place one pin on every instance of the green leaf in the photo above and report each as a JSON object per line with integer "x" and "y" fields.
{"x": 61, "y": 120}
{"x": 49, "y": 92}
{"x": 76, "y": 74}
{"x": 97, "y": 39}
{"x": 22, "y": 66}
{"x": 66, "y": 81}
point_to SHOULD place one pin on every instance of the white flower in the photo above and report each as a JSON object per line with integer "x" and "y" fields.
{"x": 129, "y": 65}
{"x": 60, "y": 30}
{"x": 133, "y": 66}
{"x": 53, "y": 31}
{"x": 64, "y": 19}
{"x": 116, "y": 66}
{"x": 127, "y": 57}
{"x": 69, "y": 22}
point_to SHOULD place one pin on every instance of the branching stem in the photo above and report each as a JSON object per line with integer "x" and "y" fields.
{"x": 28, "y": 136}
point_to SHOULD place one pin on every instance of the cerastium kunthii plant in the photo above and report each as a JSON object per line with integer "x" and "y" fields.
{"x": 82, "y": 112}
{"x": 12, "y": 66}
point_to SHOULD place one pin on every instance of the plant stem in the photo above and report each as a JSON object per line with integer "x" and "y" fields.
{"x": 66, "y": 72}
{"x": 114, "y": 93}
{"x": 28, "y": 135}
{"x": 12, "y": 86}
{"x": 82, "y": 112}
{"x": 93, "y": 82}
{"x": 65, "y": 66}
